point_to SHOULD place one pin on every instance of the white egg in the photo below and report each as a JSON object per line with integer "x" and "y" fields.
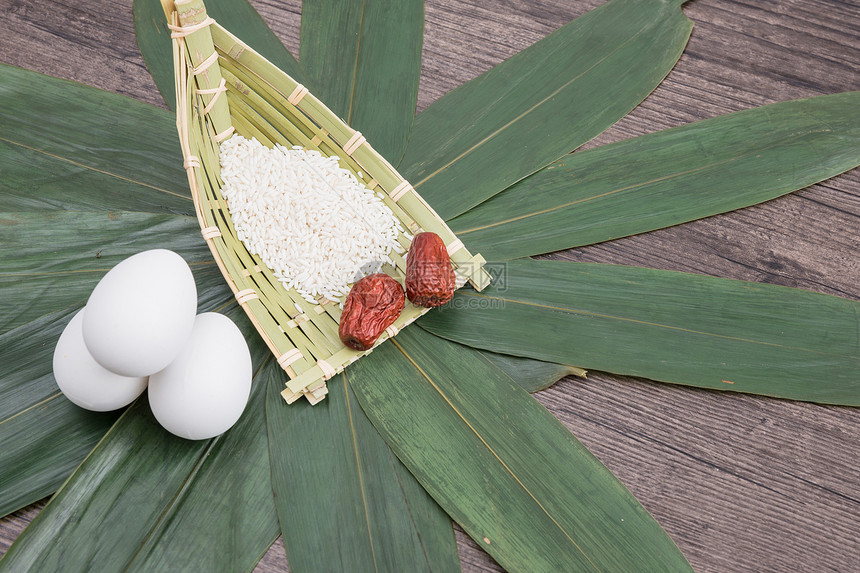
{"x": 141, "y": 313}
{"x": 204, "y": 391}
{"x": 83, "y": 380}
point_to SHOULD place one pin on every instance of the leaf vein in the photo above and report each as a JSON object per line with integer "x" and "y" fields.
{"x": 492, "y": 451}
{"x": 355, "y": 68}
{"x": 91, "y": 168}
{"x": 31, "y": 407}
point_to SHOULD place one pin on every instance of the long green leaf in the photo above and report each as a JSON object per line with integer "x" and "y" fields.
{"x": 364, "y": 61}
{"x": 112, "y": 160}
{"x": 43, "y": 436}
{"x": 53, "y": 259}
{"x": 238, "y": 16}
{"x": 345, "y": 501}
{"x": 96, "y": 151}
{"x": 223, "y": 519}
{"x": 670, "y": 177}
{"x": 542, "y": 103}
{"x": 141, "y": 486}
{"x": 77, "y": 531}
{"x": 668, "y": 326}
{"x": 502, "y": 466}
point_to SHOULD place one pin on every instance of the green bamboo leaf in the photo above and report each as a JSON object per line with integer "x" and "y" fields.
{"x": 121, "y": 174}
{"x": 531, "y": 375}
{"x": 97, "y": 151}
{"x": 364, "y": 60}
{"x": 228, "y": 498}
{"x": 51, "y": 260}
{"x": 136, "y": 446}
{"x": 542, "y": 103}
{"x": 346, "y": 503}
{"x": 205, "y": 504}
{"x": 668, "y": 326}
{"x": 153, "y": 39}
{"x": 43, "y": 436}
{"x": 536, "y": 500}
{"x": 670, "y": 177}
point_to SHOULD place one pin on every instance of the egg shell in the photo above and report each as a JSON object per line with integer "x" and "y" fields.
{"x": 141, "y": 313}
{"x": 83, "y": 380}
{"x": 204, "y": 391}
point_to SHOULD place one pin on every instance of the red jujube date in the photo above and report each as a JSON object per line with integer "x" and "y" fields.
{"x": 372, "y": 305}
{"x": 430, "y": 279}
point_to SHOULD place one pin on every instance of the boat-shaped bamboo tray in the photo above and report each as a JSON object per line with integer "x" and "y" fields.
{"x": 223, "y": 88}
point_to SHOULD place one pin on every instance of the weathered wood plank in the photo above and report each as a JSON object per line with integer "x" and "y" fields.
{"x": 741, "y": 483}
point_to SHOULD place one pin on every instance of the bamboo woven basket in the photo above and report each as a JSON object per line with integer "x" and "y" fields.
{"x": 224, "y": 87}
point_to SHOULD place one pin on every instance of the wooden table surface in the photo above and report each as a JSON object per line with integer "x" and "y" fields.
{"x": 740, "y": 483}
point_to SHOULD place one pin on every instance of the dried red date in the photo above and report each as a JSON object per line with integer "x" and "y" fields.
{"x": 430, "y": 277}
{"x": 371, "y": 306}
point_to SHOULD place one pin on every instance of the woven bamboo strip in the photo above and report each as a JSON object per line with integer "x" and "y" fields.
{"x": 245, "y": 123}
{"x": 192, "y": 13}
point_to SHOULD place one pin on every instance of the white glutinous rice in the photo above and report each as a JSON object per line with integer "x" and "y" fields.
{"x": 308, "y": 219}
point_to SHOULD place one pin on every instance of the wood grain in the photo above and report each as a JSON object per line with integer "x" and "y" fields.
{"x": 740, "y": 483}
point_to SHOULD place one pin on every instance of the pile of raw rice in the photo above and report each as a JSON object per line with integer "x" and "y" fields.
{"x": 309, "y": 220}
